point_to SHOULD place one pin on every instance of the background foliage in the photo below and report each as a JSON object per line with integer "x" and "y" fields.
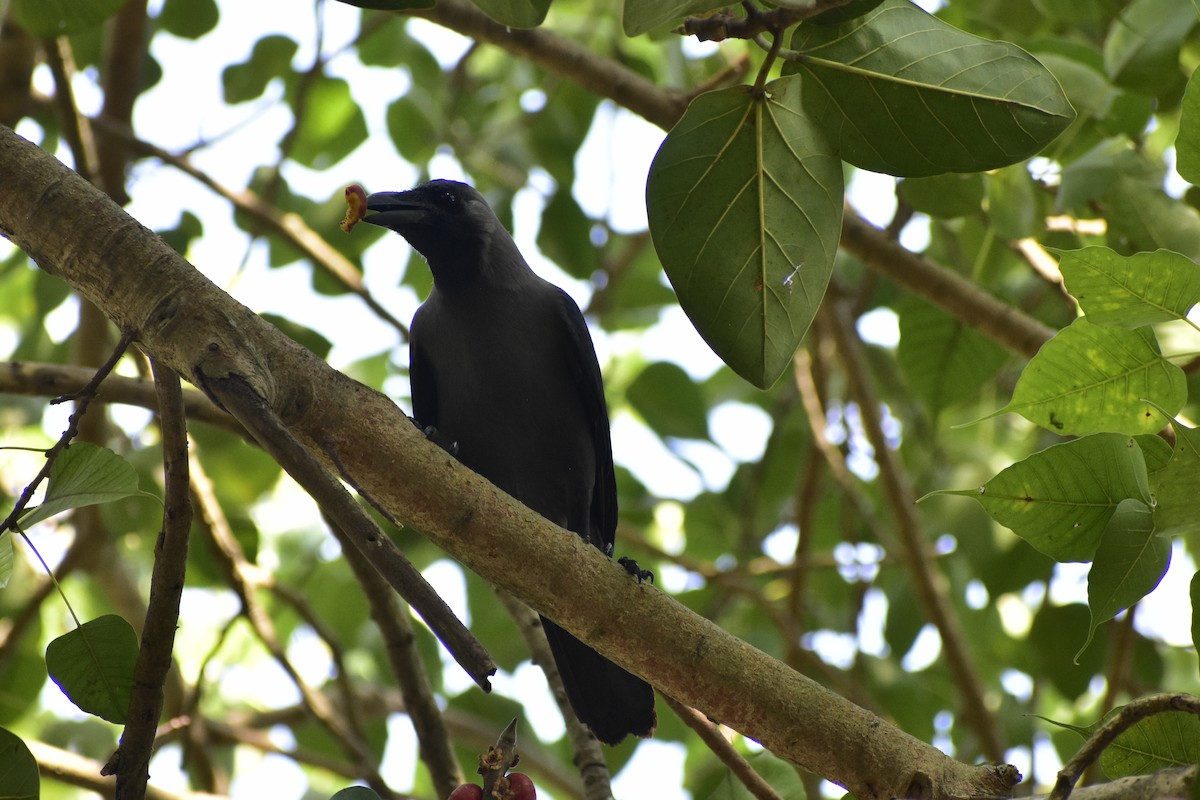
{"x": 791, "y": 524}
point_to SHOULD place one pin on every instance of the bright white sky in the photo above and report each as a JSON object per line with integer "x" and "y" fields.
{"x": 186, "y": 107}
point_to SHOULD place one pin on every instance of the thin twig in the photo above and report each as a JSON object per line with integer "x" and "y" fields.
{"x": 166, "y": 589}
{"x": 949, "y": 291}
{"x": 242, "y": 577}
{"x": 55, "y": 380}
{"x": 562, "y": 56}
{"x": 82, "y": 398}
{"x": 290, "y": 227}
{"x": 588, "y": 755}
{"x": 274, "y": 437}
{"x": 710, "y": 734}
{"x": 930, "y": 583}
{"x": 391, "y": 617}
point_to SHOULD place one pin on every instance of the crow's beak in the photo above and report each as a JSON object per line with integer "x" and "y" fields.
{"x": 395, "y": 210}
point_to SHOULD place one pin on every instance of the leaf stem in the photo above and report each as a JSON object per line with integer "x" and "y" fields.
{"x": 49, "y": 574}
{"x": 761, "y": 81}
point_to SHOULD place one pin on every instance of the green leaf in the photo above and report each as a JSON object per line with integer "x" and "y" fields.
{"x": 332, "y": 126}
{"x": 22, "y": 676}
{"x": 1129, "y": 563}
{"x": 1187, "y": 142}
{"x": 744, "y": 200}
{"x": 18, "y": 769}
{"x": 1131, "y": 291}
{"x": 643, "y": 16}
{"x": 1142, "y": 48}
{"x": 84, "y": 475}
{"x": 49, "y": 18}
{"x": 1169, "y": 739}
{"x": 6, "y": 558}
{"x": 1141, "y": 216}
{"x": 391, "y": 5}
{"x": 840, "y": 14}
{"x": 1095, "y": 173}
{"x": 954, "y": 194}
{"x": 1060, "y": 499}
{"x": 93, "y": 665}
{"x": 271, "y": 58}
{"x": 565, "y": 236}
{"x": 1050, "y": 645}
{"x": 904, "y": 93}
{"x": 412, "y": 125}
{"x": 515, "y": 13}
{"x": 189, "y": 19}
{"x": 1092, "y": 378}
{"x": 355, "y": 793}
{"x": 1156, "y": 452}
{"x": 1194, "y": 594}
{"x": 1013, "y": 211}
{"x": 944, "y": 360}
{"x": 775, "y": 772}
{"x": 669, "y": 401}
{"x": 1177, "y": 486}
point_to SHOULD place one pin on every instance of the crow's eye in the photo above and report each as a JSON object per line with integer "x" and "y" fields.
{"x": 449, "y": 200}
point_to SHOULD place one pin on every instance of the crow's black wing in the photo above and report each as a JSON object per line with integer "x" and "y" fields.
{"x": 585, "y": 370}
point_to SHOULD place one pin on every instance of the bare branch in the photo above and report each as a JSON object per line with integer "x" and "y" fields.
{"x": 710, "y": 734}
{"x": 166, "y": 588}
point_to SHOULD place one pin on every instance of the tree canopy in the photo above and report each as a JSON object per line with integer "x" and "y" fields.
{"x": 916, "y": 474}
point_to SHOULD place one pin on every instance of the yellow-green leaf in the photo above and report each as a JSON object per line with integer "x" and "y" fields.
{"x": 1131, "y": 291}
{"x": 1091, "y": 378}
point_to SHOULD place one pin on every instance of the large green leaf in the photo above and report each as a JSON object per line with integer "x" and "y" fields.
{"x": 1092, "y": 378}
{"x": 1143, "y": 217}
{"x": 744, "y": 200}
{"x": 331, "y": 127}
{"x": 946, "y": 196}
{"x": 6, "y": 558}
{"x": 50, "y": 18}
{"x": 944, "y": 360}
{"x": 1131, "y": 291}
{"x": 1129, "y": 562}
{"x": 18, "y": 769}
{"x": 391, "y": 5}
{"x": 1177, "y": 486}
{"x": 1170, "y": 739}
{"x": 93, "y": 665}
{"x": 1142, "y": 48}
{"x": 1060, "y": 499}
{"x": 271, "y": 58}
{"x": 84, "y": 475}
{"x": 515, "y": 13}
{"x": 355, "y": 793}
{"x": 189, "y": 19}
{"x": 904, "y": 93}
{"x": 669, "y": 401}
{"x": 1194, "y": 594}
{"x": 1187, "y": 143}
{"x": 642, "y": 16}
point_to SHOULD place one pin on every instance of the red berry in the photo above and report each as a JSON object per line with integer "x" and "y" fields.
{"x": 521, "y": 787}
{"x": 468, "y": 791}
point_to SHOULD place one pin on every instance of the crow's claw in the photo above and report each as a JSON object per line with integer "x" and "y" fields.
{"x": 636, "y": 571}
{"x": 434, "y": 435}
